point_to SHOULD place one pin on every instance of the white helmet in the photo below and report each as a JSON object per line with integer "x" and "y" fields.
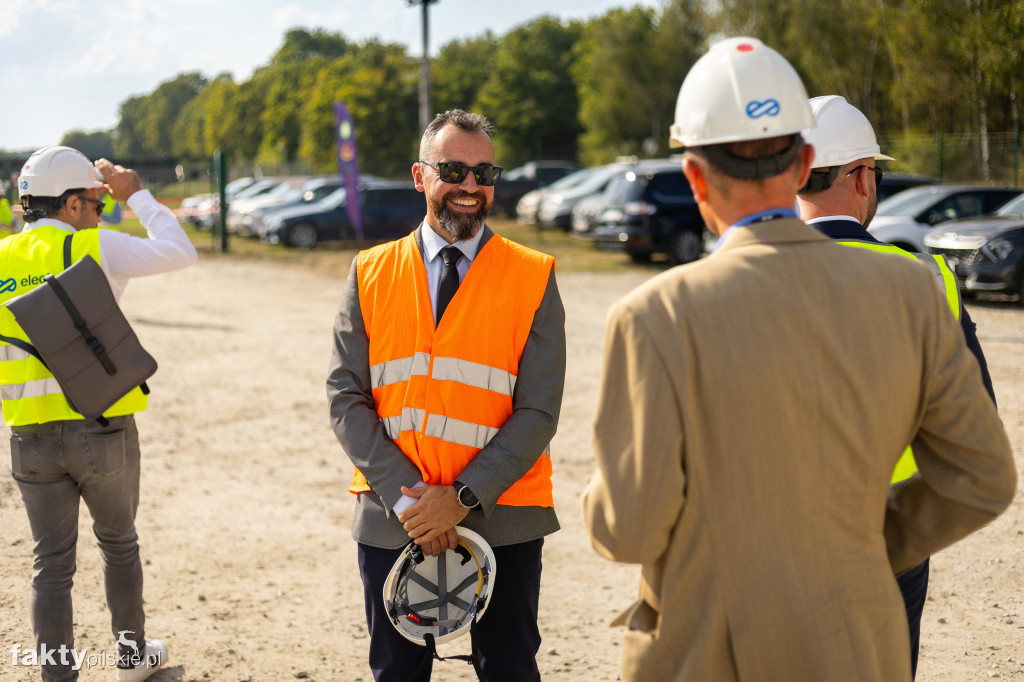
{"x": 51, "y": 171}
{"x": 740, "y": 90}
{"x": 843, "y": 133}
{"x": 432, "y": 600}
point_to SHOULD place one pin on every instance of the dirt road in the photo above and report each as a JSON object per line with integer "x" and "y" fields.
{"x": 244, "y": 521}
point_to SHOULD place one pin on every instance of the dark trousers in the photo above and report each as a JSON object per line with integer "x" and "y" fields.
{"x": 914, "y": 588}
{"x": 507, "y": 637}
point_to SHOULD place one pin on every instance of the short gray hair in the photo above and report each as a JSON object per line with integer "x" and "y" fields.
{"x": 463, "y": 120}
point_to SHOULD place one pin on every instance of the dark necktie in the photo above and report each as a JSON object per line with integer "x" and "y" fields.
{"x": 449, "y": 279}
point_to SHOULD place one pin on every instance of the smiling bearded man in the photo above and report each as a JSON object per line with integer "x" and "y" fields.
{"x": 445, "y": 388}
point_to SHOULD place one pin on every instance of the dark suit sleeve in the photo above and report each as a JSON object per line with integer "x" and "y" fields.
{"x": 971, "y": 337}
{"x": 536, "y": 402}
{"x": 352, "y": 409}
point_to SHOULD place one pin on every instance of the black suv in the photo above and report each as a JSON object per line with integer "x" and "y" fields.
{"x": 648, "y": 209}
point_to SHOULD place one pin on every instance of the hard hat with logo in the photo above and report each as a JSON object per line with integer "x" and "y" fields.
{"x": 843, "y": 133}
{"x": 51, "y": 171}
{"x": 432, "y": 600}
{"x": 740, "y": 90}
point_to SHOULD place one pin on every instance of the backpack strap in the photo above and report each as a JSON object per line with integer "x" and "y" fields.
{"x": 79, "y": 322}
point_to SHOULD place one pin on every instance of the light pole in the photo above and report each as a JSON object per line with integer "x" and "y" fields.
{"x": 425, "y": 67}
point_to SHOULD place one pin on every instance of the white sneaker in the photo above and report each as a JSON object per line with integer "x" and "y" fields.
{"x": 154, "y": 655}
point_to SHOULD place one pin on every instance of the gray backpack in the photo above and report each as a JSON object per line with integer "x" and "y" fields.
{"x": 80, "y": 334}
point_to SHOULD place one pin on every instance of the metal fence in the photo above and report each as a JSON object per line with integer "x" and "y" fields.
{"x": 993, "y": 159}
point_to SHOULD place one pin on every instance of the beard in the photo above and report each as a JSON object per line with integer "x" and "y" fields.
{"x": 460, "y": 226}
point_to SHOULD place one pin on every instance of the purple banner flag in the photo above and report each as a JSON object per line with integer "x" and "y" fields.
{"x": 348, "y": 164}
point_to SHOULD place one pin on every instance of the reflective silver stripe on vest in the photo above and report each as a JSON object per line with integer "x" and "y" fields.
{"x": 30, "y": 389}
{"x": 460, "y": 432}
{"x": 409, "y": 420}
{"x": 397, "y": 371}
{"x": 11, "y": 353}
{"x": 474, "y": 374}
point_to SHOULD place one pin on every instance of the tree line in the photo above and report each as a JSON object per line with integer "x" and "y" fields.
{"x": 587, "y": 90}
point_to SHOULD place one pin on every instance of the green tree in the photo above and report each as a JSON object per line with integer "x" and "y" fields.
{"x": 301, "y": 45}
{"x": 385, "y": 118}
{"x": 530, "y": 94}
{"x": 95, "y": 145}
{"x": 629, "y": 68}
{"x": 127, "y": 139}
{"x": 460, "y": 70}
{"x": 161, "y": 108}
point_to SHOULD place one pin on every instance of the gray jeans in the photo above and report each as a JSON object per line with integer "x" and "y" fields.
{"x": 54, "y": 465}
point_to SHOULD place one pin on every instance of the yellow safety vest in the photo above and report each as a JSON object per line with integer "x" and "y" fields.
{"x": 906, "y": 466}
{"x": 30, "y": 393}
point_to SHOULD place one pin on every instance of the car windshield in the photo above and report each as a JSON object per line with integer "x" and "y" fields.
{"x": 623, "y": 189}
{"x": 256, "y": 188}
{"x": 335, "y": 198}
{"x": 1012, "y": 207}
{"x": 571, "y": 180}
{"x": 910, "y": 202}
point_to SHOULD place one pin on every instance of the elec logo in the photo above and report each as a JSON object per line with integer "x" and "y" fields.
{"x": 23, "y": 185}
{"x": 7, "y": 285}
{"x": 769, "y": 107}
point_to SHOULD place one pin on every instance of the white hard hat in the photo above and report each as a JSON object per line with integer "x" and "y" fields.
{"x": 432, "y": 600}
{"x": 740, "y": 90}
{"x": 51, "y": 171}
{"x": 843, "y": 133}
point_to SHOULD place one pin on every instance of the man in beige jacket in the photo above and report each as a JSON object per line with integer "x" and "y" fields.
{"x": 754, "y": 405}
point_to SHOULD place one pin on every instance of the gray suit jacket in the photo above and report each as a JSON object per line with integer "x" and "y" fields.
{"x": 536, "y": 402}
{"x": 753, "y": 407}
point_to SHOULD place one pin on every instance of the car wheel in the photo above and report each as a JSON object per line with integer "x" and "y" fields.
{"x": 1020, "y": 285}
{"x": 302, "y": 236}
{"x": 640, "y": 257}
{"x": 685, "y": 247}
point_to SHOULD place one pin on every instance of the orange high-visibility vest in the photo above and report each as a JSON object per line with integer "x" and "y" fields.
{"x": 443, "y": 393}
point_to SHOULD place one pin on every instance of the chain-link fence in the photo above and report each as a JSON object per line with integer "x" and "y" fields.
{"x": 993, "y": 159}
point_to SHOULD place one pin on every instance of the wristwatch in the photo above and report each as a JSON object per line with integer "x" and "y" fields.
{"x": 465, "y": 496}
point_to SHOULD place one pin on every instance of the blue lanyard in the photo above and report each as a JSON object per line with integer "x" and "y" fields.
{"x": 759, "y": 217}
{"x": 765, "y": 216}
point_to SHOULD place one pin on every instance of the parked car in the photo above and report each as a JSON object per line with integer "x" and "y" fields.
{"x": 244, "y": 216}
{"x": 195, "y": 208}
{"x": 894, "y": 183}
{"x": 529, "y": 203}
{"x": 557, "y": 202}
{"x": 389, "y": 210}
{"x": 648, "y": 209}
{"x": 284, "y": 192}
{"x": 904, "y": 218}
{"x": 584, "y": 216}
{"x": 530, "y": 176}
{"x": 209, "y": 209}
{"x": 987, "y": 254}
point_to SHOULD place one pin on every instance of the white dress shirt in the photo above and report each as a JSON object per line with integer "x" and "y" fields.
{"x": 123, "y": 256}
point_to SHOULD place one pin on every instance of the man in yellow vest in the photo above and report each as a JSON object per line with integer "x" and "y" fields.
{"x": 57, "y": 456}
{"x": 445, "y": 387}
{"x": 839, "y": 200}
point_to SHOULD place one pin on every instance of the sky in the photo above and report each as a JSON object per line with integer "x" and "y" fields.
{"x": 68, "y": 64}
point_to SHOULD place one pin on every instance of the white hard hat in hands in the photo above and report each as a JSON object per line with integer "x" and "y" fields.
{"x": 51, "y": 171}
{"x": 741, "y": 89}
{"x": 432, "y": 600}
{"x": 843, "y": 133}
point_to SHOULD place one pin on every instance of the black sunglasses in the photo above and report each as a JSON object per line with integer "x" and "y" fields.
{"x": 96, "y": 202}
{"x": 878, "y": 173}
{"x": 456, "y": 172}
